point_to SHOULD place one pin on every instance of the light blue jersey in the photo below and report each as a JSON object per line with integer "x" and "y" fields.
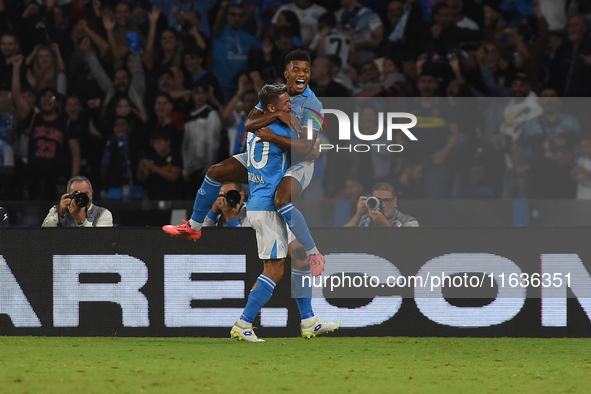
{"x": 302, "y": 105}
{"x": 266, "y": 165}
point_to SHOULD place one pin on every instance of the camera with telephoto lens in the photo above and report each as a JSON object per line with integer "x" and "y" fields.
{"x": 372, "y": 203}
{"x": 81, "y": 199}
{"x": 233, "y": 198}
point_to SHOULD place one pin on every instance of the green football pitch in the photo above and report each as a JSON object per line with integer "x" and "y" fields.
{"x": 320, "y": 365}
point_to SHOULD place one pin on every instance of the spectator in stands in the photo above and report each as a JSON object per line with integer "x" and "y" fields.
{"x": 369, "y": 83}
{"x": 366, "y": 26}
{"x": 409, "y": 181}
{"x": 9, "y": 46}
{"x": 437, "y": 133}
{"x": 201, "y": 140}
{"x": 168, "y": 53}
{"x": 191, "y": 34}
{"x": 7, "y": 160}
{"x": 522, "y": 107}
{"x": 120, "y": 163}
{"x": 582, "y": 171}
{"x": 570, "y": 71}
{"x": 81, "y": 81}
{"x": 384, "y": 212}
{"x": 173, "y": 122}
{"x": 340, "y": 76}
{"x": 34, "y": 26}
{"x": 456, "y": 13}
{"x": 121, "y": 106}
{"x": 172, "y": 8}
{"x": 92, "y": 142}
{"x": 270, "y": 59}
{"x": 160, "y": 171}
{"x": 322, "y": 82}
{"x": 226, "y": 211}
{"x": 72, "y": 212}
{"x": 231, "y": 47}
{"x": 352, "y": 191}
{"x": 235, "y": 113}
{"x": 54, "y": 151}
{"x": 307, "y": 13}
{"x": 289, "y": 20}
{"x": 403, "y": 28}
{"x": 376, "y": 165}
{"x": 443, "y": 35}
{"x": 496, "y": 23}
{"x": 517, "y": 9}
{"x": 118, "y": 28}
{"x": 331, "y": 41}
{"x": 193, "y": 59}
{"x": 529, "y": 49}
{"x": 130, "y": 83}
{"x": 549, "y": 140}
{"x": 46, "y": 69}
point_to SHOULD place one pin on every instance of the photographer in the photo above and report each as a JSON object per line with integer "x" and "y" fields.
{"x": 379, "y": 210}
{"x": 76, "y": 208}
{"x": 229, "y": 210}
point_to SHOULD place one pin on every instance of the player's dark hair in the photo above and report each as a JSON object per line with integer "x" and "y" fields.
{"x": 270, "y": 93}
{"x": 297, "y": 55}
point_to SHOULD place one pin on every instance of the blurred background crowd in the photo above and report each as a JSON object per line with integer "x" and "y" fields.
{"x": 142, "y": 96}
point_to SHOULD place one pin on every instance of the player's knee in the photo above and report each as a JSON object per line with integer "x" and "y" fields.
{"x": 274, "y": 270}
{"x": 215, "y": 172}
{"x": 281, "y": 199}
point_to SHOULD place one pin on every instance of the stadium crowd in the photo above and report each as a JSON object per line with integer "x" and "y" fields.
{"x": 141, "y": 97}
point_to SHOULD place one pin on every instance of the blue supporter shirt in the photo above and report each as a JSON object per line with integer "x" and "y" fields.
{"x": 266, "y": 165}
{"x": 230, "y": 55}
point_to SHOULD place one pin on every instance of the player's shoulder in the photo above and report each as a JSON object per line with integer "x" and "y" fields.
{"x": 311, "y": 98}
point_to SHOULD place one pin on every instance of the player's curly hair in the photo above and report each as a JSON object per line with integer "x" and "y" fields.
{"x": 295, "y": 55}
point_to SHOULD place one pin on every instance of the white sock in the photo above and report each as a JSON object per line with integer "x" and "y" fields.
{"x": 307, "y": 322}
{"x": 196, "y": 226}
{"x": 244, "y": 323}
{"x": 310, "y": 252}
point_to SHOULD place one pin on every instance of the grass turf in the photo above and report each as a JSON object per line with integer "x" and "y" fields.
{"x": 331, "y": 365}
